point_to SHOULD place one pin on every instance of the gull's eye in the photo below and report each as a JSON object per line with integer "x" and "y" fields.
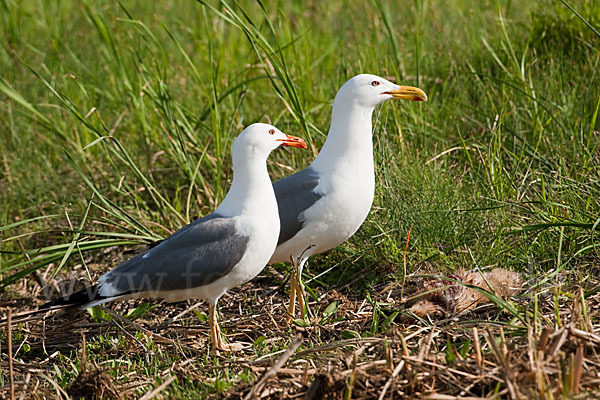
{"x": 272, "y": 132}
{"x": 375, "y": 83}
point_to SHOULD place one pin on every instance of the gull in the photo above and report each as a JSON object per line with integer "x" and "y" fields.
{"x": 213, "y": 254}
{"x": 323, "y": 205}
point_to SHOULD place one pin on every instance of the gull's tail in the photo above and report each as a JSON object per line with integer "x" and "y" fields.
{"x": 84, "y": 298}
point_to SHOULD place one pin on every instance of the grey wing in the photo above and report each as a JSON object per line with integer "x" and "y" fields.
{"x": 196, "y": 255}
{"x": 295, "y": 194}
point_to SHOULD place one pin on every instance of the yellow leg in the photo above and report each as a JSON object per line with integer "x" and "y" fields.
{"x": 220, "y": 344}
{"x": 300, "y": 294}
{"x": 215, "y": 331}
{"x": 211, "y": 326}
{"x": 300, "y": 289}
{"x": 216, "y": 335}
{"x": 292, "y": 305}
{"x": 296, "y": 290}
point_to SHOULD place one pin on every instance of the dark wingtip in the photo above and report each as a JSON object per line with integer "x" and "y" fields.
{"x": 79, "y": 298}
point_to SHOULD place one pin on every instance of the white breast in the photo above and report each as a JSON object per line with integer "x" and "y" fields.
{"x": 347, "y": 183}
{"x": 334, "y": 218}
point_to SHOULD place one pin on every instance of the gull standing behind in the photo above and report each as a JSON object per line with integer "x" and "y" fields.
{"x": 323, "y": 205}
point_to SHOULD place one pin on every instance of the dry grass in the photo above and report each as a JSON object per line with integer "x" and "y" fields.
{"x": 550, "y": 351}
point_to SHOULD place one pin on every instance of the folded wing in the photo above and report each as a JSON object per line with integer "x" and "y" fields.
{"x": 196, "y": 255}
{"x": 295, "y": 194}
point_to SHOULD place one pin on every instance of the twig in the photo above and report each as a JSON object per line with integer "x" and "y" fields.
{"x": 122, "y": 329}
{"x": 577, "y": 370}
{"x": 32, "y": 314}
{"x": 83, "y": 353}
{"x": 152, "y": 393}
{"x": 59, "y": 390}
{"x": 352, "y": 380}
{"x": 287, "y": 371}
{"x": 505, "y": 367}
{"x": 478, "y": 356}
{"x": 404, "y": 265}
{"x": 416, "y": 361}
{"x": 340, "y": 343}
{"x": 389, "y": 382}
{"x": 276, "y": 367}
{"x": 424, "y": 349}
{"x": 187, "y": 310}
{"x": 562, "y": 338}
{"x": 10, "y": 357}
{"x": 137, "y": 327}
{"x": 587, "y": 336}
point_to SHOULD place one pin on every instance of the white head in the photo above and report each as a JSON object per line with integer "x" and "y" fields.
{"x": 371, "y": 90}
{"x": 258, "y": 140}
{"x": 251, "y": 190}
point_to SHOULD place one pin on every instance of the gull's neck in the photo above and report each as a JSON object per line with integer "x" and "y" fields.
{"x": 349, "y": 141}
{"x": 251, "y": 191}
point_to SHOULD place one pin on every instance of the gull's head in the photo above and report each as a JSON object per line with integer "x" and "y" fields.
{"x": 372, "y": 90}
{"x": 261, "y": 139}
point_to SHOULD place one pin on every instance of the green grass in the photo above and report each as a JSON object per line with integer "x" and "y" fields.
{"x": 116, "y": 121}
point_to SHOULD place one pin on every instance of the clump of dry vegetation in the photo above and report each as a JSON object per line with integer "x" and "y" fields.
{"x": 464, "y": 290}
